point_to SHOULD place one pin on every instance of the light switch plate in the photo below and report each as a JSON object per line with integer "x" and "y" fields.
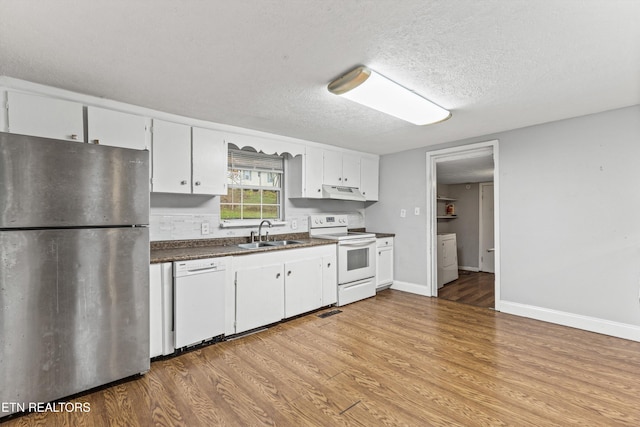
{"x": 403, "y": 213}
{"x": 416, "y": 211}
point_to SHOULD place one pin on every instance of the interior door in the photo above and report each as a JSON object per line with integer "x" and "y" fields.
{"x": 487, "y": 254}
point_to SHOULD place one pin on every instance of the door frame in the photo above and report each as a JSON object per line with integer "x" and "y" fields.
{"x": 458, "y": 153}
{"x": 480, "y": 228}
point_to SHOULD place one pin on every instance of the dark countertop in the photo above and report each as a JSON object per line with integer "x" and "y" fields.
{"x": 378, "y": 235}
{"x": 383, "y": 235}
{"x": 184, "y": 250}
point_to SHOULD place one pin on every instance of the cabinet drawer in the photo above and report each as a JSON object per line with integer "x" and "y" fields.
{"x": 384, "y": 242}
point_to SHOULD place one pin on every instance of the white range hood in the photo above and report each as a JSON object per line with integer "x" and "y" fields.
{"x": 342, "y": 193}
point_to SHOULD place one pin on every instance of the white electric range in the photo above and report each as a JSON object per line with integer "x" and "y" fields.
{"x": 356, "y": 256}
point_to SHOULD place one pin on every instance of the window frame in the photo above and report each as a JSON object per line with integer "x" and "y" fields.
{"x": 247, "y": 169}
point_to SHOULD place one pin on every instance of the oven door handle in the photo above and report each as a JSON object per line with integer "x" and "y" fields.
{"x": 357, "y": 244}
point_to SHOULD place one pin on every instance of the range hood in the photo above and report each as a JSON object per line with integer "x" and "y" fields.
{"x": 342, "y": 193}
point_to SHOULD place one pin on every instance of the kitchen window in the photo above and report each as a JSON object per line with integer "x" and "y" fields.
{"x": 254, "y": 182}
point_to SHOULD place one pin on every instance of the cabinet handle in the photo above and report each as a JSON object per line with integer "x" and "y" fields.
{"x": 278, "y": 276}
{"x": 73, "y": 136}
{"x": 380, "y": 253}
{"x": 96, "y": 141}
{"x": 319, "y": 190}
{"x": 339, "y": 179}
{"x": 197, "y": 182}
{"x": 328, "y": 264}
{"x": 289, "y": 273}
{"x": 183, "y": 182}
{"x": 346, "y": 179}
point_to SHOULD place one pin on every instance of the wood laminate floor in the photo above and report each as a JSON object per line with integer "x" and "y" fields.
{"x": 474, "y": 288}
{"x": 396, "y": 359}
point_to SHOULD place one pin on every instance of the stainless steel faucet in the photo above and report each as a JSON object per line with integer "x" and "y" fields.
{"x": 260, "y": 229}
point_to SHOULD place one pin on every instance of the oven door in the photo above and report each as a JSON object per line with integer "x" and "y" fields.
{"x": 356, "y": 260}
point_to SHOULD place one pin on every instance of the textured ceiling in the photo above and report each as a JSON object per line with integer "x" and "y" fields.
{"x": 265, "y": 64}
{"x": 477, "y": 169}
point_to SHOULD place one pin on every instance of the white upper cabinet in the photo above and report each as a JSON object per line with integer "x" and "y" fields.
{"x": 188, "y": 163}
{"x": 305, "y": 174}
{"x": 308, "y": 173}
{"x": 171, "y": 158}
{"x": 209, "y": 151}
{"x": 332, "y": 168}
{"x": 117, "y": 129}
{"x": 369, "y": 172}
{"x": 351, "y": 170}
{"x": 45, "y": 117}
{"x": 341, "y": 169}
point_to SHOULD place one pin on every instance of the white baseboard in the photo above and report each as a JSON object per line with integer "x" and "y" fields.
{"x": 592, "y": 324}
{"x": 465, "y": 268}
{"x": 413, "y": 288}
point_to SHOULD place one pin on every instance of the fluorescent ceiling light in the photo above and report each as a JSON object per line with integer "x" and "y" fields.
{"x": 373, "y": 90}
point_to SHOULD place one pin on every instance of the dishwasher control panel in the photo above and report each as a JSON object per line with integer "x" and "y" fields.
{"x": 191, "y": 266}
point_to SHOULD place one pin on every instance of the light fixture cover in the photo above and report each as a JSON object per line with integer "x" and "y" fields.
{"x": 373, "y": 90}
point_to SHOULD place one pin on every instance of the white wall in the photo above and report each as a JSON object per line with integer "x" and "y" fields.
{"x": 570, "y": 216}
{"x": 467, "y": 224}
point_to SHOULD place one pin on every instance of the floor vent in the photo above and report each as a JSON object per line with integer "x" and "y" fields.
{"x": 329, "y": 313}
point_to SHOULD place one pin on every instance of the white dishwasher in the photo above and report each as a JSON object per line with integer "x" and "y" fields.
{"x": 198, "y": 300}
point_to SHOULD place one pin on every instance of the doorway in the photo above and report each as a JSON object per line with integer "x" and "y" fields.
{"x": 473, "y": 163}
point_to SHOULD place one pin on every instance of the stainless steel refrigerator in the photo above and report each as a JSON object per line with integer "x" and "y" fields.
{"x": 74, "y": 267}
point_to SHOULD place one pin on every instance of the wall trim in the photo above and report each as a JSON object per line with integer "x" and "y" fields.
{"x": 413, "y": 288}
{"x": 466, "y": 268}
{"x": 587, "y": 323}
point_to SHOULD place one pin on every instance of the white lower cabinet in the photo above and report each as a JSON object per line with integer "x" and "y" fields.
{"x": 259, "y": 299}
{"x": 160, "y": 309}
{"x": 384, "y": 262}
{"x": 302, "y": 286}
{"x": 329, "y": 278}
{"x": 272, "y": 286}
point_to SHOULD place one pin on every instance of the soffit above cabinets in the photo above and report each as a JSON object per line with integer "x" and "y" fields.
{"x": 496, "y": 64}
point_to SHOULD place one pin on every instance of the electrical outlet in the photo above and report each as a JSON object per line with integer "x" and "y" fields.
{"x": 294, "y": 224}
{"x": 204, "y": 228}
{"x": 403, "y": 213}
{"x": 416, "y": 211}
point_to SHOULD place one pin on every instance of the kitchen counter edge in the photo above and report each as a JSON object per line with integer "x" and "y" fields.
{"x": 158, "y": 256}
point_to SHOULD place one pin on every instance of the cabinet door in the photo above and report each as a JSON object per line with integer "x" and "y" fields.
{"x": 313, "y": 170}
{"x": 45, "y": 117}
{"x": 209, "y": 153}
{"x": 155, "y": 310}
{"x": 329, "y": 280}
{"x": 171, "y": 154}
{"x": 108, "y": 127}
{"x": 351, "y": 170}
{"x": 332, "y": 168}
{"x": 259, "y": 296}
{"x": 369, "y": 172}
{"x": 384, "y": 266}
{"x": 302, "y": 286}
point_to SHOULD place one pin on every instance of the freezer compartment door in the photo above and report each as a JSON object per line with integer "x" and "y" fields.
{"x": 74, "y": 310}
{"x": 52, "y": 183}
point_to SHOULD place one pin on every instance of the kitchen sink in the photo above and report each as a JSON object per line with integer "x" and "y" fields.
{"x": 254, "y": 245}
{"x": 283, "y": 242}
